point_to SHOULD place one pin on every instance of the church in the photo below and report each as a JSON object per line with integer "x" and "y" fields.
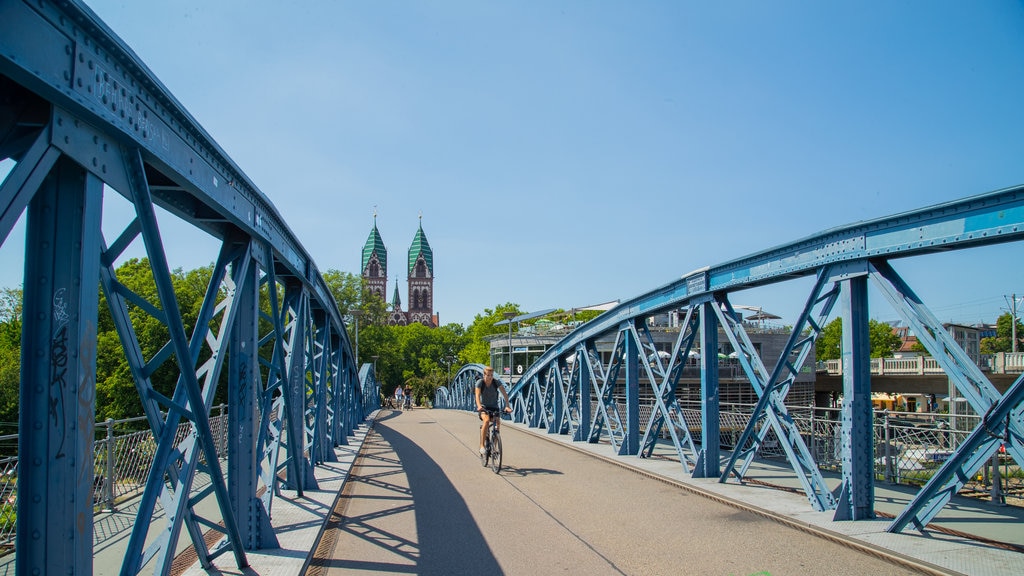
{"x": 419, "y": 271}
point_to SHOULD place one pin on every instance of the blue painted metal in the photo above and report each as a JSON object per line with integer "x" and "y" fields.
{"x": 631, "y": 439}
{"x": 778, "y": 417}
{"x": 584, "y": 374}
{"x": 856, "y": 496}
{"x": 791, "y": 360}
{"x": 244, "y": 383}
{"x": 666, "y": 410}
{"x": 708, "y": 465}
{"x": 1000, "y": 426}
{"x": 73, "y": 93}
{"x": 975, "y": 388}
{"x": 57, "y": 389}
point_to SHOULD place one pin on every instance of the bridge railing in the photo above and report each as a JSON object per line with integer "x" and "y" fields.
{"x": 122, "y": 454}
{"x": 918, "y": 443}
{"x": 1000, "y": 363}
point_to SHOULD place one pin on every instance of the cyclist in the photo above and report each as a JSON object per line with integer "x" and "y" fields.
{"x": 487, "y": 389}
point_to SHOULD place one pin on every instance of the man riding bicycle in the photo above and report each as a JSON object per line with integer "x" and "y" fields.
{"x": 487, "y": 389}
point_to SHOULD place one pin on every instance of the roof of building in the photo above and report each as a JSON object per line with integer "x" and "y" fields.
{"x": 374, "y": 243}
{"x": 421, "y": 246}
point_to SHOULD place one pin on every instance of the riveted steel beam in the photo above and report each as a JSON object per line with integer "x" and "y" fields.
{"x": 58, "y": 372}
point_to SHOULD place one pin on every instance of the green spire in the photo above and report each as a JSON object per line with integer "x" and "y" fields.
{"x": 421, "y": 246}
{"x": 396, "y": 301}
{"x": 374, "y": 243}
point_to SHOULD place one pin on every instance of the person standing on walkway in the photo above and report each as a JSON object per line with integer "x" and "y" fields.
{"x": 487, "y": 389}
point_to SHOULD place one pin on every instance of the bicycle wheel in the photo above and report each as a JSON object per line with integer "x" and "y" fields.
{"x": 495, "y": 451}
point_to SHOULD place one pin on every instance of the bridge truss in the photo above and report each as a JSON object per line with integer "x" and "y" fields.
{"x": 80, "y": 114}
{"x": 572, "y": 389}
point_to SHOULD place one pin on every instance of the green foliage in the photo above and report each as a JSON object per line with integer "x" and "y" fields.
{"x": 412, "y": 353}
{"x": 478, "y": 350}
{"x": 883, "y": 341}
{"x": 1003, "y": 340}
{"x": 116, "y": 394}
{"x": 417, "y": 356}
{"x": 346, "y": 288}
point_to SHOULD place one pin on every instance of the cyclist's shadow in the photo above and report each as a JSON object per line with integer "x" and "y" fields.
{"x": 507, "y": 470}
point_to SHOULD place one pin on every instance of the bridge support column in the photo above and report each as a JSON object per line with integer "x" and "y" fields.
{"x": 631, "y": 440}
{"x": 58, "y": 374}
{"x": 708, "y": 460}
{"x": 583, "y": 365}
{"x": 255, "y": 530}
{"x": 857, "y": 496}
{"x": 299, "y": 475}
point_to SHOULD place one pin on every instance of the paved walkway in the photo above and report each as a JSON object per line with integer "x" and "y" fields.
{"x": 418, "y": 502}
{"x": 386, "y": 519}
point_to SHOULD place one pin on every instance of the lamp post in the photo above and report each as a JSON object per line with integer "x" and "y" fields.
{"x": 508, "y": 318}
{"x": 356, "y": 314}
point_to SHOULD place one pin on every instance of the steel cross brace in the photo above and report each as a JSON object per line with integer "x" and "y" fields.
{"x": 665, "y": 402}
{"x": 22, "y": 182}
{"x": 323, "y": 377}
{"x": 608, "y": 411}
{"x": 190, "y": 401}
{"x": 272, "y": 400}
{"x": 584, "y": 379}
{"x": 591, "y": 361}
{"x": 785, "y": 373}
{"x": 299, "y": 474}
{"x": 564, "y": 396}
{"x": 775, "y": 410}
{"x": 1002, "y": 414}
{"x": 552, "y": 398}
{"x": 970, "y": 456}
{"x": 310, "y": 377}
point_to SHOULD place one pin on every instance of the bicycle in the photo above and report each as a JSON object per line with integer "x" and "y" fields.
{"x": 492, "y": 442}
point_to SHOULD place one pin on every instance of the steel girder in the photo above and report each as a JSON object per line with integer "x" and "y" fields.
{"x": 80, "y": 110}
{"x": 58, "y": 371}
{"x": 666, "y": 410}
{"x": 1003, "y": 414}
{"x": 175, "y": 463}
{"x": 772, "y": 392}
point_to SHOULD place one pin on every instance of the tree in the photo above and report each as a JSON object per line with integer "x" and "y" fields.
{"x": 116, "y": 393}
{"x": 477, "y": 349}
{"x": 346, "y": 288}
{"x": 1003, "y": 340}
{"x": 883, "y": 341}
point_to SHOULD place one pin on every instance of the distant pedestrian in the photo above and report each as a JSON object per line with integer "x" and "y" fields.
{"x": 399, "y": 397}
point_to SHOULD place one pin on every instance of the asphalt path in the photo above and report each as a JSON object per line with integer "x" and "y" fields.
{"x": 418, "y": 501}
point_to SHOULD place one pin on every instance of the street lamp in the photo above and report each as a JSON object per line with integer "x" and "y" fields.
{"x": 356, "y": 314}
{"x": 508, "y": 318}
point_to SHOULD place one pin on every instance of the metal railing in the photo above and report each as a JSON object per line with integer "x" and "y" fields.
{"x": 909, "y": 447}
{"x": 123, "y": 455}
{"x": 1001, "y": 363}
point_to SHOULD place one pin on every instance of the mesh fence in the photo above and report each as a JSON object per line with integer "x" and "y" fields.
{"x": 909, "y": 448}
{"x": 123, "y": 455}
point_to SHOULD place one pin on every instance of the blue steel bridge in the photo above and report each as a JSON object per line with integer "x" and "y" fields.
{"x": 81, "y": 116}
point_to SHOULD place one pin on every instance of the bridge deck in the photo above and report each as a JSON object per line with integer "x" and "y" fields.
{"x": 438, "y": 522}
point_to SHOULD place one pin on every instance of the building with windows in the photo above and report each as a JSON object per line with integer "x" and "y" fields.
{"x": 419, "y": 273}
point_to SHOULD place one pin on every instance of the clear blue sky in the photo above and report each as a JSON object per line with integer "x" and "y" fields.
{"x": 566, "y": 153}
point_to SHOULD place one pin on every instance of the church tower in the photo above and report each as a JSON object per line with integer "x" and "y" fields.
{"x": 375, "y": 263}
{"x": 421, "y": 280}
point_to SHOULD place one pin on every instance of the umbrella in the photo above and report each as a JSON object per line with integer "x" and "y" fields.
{"x": 762, "y": 315}
{"x": 693, "y": 354}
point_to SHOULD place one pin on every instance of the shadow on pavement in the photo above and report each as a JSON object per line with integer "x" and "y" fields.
{"x": 450, "y": 542}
